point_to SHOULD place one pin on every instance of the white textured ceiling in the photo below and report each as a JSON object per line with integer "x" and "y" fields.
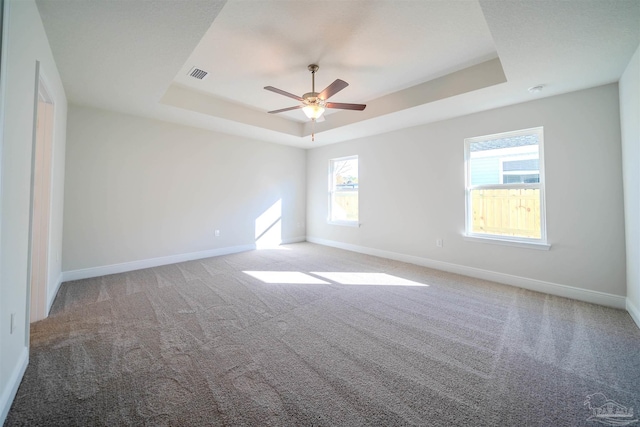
{"x": 123, "y": 54}
{"x": 378, "y": 47}
{"x": 411, "y": 62}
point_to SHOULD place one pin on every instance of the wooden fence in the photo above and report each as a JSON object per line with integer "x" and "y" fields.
{"x": 346, "y": 205}
{"x": 513, "y": 212}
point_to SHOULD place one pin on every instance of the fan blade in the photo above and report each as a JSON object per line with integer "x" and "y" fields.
{"x": 282, "y": 92}
{"x": 343, "y": 106}
{"x": 332, "y": 89}
{"x": 286, "y": 109}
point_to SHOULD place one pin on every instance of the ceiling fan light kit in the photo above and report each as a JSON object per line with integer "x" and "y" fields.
{"x": 313, "y": 104}
{"x": 313, "y": 111}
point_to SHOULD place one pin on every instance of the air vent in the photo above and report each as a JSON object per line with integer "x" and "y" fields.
{"x": 197, "y": 73}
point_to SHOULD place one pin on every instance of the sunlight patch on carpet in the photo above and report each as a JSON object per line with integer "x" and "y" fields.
{"x": 291, "y": 277}
{"x": 377, "y": 279}
{"x": 341, "y": 278}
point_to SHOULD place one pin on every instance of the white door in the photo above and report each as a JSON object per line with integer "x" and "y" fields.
{"x": 41, "y": 194}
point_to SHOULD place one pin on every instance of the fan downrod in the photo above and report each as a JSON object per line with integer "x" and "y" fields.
{"x": 311, "y": 96}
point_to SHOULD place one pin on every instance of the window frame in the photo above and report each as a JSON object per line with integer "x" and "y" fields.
{"x": 332, "y": 190}
{"x": 526, "y": 242}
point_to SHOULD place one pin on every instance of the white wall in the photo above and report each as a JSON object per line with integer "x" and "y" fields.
{"x": 630, "y": 123}
{"x": 27, "y": 43}
{"x": 138, "y": 189}
{"x": 412, "y": 192}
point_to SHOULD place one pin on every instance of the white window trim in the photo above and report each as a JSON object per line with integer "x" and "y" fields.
{"x": 522, "y": 242}
{"x": 344, "y": 223}
{"x": 510, "y": 241}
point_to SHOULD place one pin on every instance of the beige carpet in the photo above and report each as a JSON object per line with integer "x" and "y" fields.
{"x": 308, "y": 335}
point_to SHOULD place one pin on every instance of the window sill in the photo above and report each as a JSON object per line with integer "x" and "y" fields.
{"x": 344, "y": 223}
{"x": 506, "y": 242}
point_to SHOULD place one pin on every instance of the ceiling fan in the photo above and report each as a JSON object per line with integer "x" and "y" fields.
{"x": 314, "y": 103}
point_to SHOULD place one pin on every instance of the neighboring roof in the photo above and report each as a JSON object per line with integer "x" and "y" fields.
{"x": 515, "y": 141}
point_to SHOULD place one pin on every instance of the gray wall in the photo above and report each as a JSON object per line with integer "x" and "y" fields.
{"x": 27, "y": 43}
{"x": 138, "y": 189}
{"x": 412, "y": 192}
{"x": 630, "y": 122}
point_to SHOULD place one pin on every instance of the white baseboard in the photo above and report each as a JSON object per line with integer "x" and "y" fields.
{"x": 634, "y": 312}
{"x": 10, "y": 390}
{"x": 586, "y": 295}
{"x": 105, "y": 270}
{"x": 298, "y": 239}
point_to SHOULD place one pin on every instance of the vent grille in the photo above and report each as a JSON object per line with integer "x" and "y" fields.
{"x": 197, "y": 73}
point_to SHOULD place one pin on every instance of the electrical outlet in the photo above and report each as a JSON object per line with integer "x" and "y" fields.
{"x": 217, "y": 233}
{"x": 439, "y": 242}
{"x": 12, "y": 327}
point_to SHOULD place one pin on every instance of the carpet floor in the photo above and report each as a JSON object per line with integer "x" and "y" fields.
{"x": 307, "y": 335}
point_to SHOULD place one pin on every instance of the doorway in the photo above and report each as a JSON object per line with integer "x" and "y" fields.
{"x": 41, "y": 202}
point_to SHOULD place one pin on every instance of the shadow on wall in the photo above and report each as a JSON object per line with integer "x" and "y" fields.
{"x": 269, "y": 227}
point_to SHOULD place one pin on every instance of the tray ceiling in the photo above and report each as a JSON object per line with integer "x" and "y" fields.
{"x": 412, "y": 62}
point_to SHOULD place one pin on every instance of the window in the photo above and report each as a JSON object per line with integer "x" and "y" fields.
{"x": 505, "y": 187}
{"x": 343, "y": 191}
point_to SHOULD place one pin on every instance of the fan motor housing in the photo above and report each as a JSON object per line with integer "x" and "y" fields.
{"x": 311, "y": 97}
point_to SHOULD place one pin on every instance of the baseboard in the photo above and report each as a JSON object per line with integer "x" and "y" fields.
{"x": 105, "y": 270}
{"x": 633, "y": 312}
{"x": 10, "y": 390}
{"x": 298, "y": 239}
{"x": 51, "y": 296}
{"x": 586, "y": 295}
